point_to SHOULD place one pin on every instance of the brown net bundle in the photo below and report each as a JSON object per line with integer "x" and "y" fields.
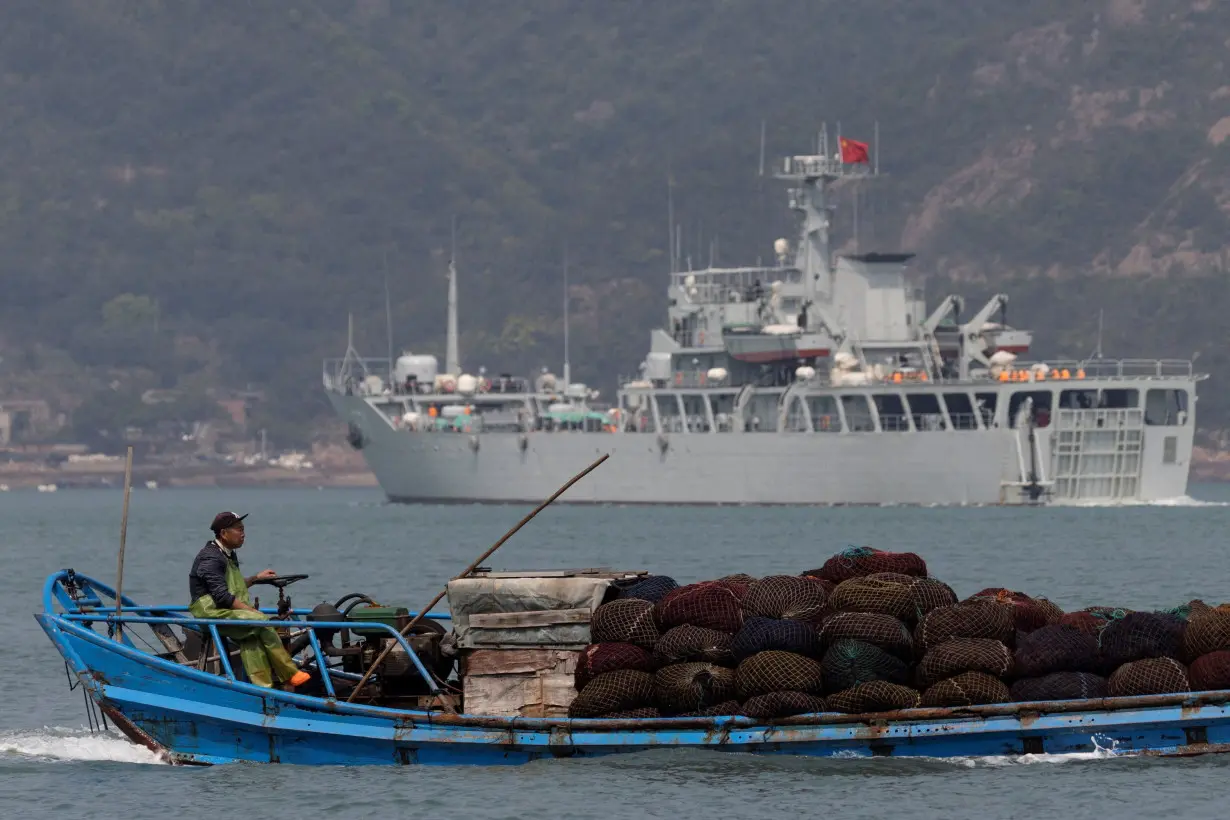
{"x": 1027, "y": 613}
{"x": 763, "y": 634}
{"x": 1140, "y": 635}
{"x": 693, "y": 643}
{"x": 618, "y": 691}
{"x": 883, "y": 631}
{"x": 957, "y": 655}
{"x": 974, "y": 619}
{"x": 1207, "y": 631}
{"x": 824, "y": 583}
{"x": 874, "y": 696}
{"x": 1187, "y": 610}
{"x": 724, "y": 709}
{"x": 1056, "y": 648}
{"x": 848, "y": 663}
{"x": 786, "y": 596}
{"x": 650, "y": 588}
{"x": 967, "y": 689}
{"x": 905, "y": 597}
{"x": 600, "y": 658}
{"x": 1151, "y": 676}
{"x": 1059, "y": 686}
{"x": 1210, "y": 672}
{"x": 858, "y": 561}
{"x": 633, "y": 714}
{"x": 782, "y": 704}
{"x": 1086, "y": 622}
{"x": 629, "y": 620}
{"x": 776, "y": 671}
{"x": 711, "y": 604}
{"x": 688, "y": 687}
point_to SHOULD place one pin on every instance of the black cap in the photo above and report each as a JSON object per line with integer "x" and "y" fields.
{"x": 224, "y": 520}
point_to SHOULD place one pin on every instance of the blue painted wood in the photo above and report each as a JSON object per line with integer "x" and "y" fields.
{"x": 191, "y": 716}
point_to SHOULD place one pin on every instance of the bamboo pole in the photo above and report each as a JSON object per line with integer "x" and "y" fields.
{"x": 473, "y": 565}
{"x": 119, "y": 572}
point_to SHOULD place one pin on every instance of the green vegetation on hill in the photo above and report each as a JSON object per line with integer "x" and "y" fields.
{"x": 201, "y": 191}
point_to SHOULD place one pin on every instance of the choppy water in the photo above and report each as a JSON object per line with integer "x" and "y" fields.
{"x": 348, "y": 540}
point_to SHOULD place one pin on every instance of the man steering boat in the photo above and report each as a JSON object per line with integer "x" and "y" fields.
{"x": 220, "y": 590}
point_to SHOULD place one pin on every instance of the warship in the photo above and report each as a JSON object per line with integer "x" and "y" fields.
{"x": 820, "y": 379}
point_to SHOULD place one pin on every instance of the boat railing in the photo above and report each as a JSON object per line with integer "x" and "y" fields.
{"x": 355, "y": 376}
{"x": 718, "y": 285}
{"x": 1105, "y": 369}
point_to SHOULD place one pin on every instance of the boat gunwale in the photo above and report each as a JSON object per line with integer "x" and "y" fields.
{"x": 1024, "y": 711}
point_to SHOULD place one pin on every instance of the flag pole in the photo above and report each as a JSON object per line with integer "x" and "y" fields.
{"x": 876, "y": 151}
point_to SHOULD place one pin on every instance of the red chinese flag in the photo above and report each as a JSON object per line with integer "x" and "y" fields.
{"x": 853, "y": 151}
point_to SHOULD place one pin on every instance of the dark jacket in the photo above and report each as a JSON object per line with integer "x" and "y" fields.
{"x": 208, "y": 575}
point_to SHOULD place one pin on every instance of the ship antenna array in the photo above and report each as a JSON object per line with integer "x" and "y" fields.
{"x": 567, "y": 363}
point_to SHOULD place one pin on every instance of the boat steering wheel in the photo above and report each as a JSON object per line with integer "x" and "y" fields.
{"x": 280, "y": 581}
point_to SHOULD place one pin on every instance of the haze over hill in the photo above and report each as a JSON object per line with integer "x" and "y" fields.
{"x": 196, "y": 193}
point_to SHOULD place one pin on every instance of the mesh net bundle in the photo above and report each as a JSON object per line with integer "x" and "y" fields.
{"x": 1207, "y": 631}
{"x": 633, "y": 714}
{"x": 688, "y": 687}
{"x": 1106, "y": 613}
{"x": 650, "y": 588}
{"x": 967, "y": 689}
{"x": 724, "y": 709}
{"x": 1059, "y": 686}
{"x": 610, "y": 692}
{"x": 858, "y": 561}
{"x": 1057, "y": 647}
{"x": 629, "y": 620}
{"x": 738, "y": 584}
{"x": 905, "y": 597}
{"x": 762, "y": 634}
{"x": 973, "y": 619}
{"x": 1140, "y": 635}
{"x": 1187, "y": 610}
{"x": 777, "y": 671}
{"x": 711, "y": 604}
{"x": 786, "y": 596}
{"x": 782, "y": 704}
{"x": 1151, "y": 676}
{"x": 1027, "y": 613}
{"x": 957, "y": 655}
{"x": 848, "y": 663}
{"x": 1086, "y": 622}
{"x": 1210, "y": 672}
{"x": 693, "y": 643}
{"x": 824, "y": 583}
{"x": 600, "y": 658}
{"x": 883, "y": 631}
{"x": 874, "y": 696}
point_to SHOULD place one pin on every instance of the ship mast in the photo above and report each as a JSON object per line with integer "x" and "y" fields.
{"x": 452, "y": 360}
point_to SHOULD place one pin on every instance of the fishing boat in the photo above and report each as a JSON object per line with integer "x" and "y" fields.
{"x": 191, "y": 704}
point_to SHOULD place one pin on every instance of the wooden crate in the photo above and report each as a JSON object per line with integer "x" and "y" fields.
{"x": 525, "y": 682}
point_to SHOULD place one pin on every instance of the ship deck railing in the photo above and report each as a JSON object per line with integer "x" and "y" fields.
{"x": 1058, "y": 371}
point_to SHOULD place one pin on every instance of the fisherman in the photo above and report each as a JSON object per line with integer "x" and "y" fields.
{"x": 219, "y": 590}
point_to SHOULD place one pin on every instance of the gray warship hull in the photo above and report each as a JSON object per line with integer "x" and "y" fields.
{"x": 958, "y": 467}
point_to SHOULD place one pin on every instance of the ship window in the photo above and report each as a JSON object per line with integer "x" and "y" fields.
{"x": 1077, "y": 399}
{"x": 858, "y": 414}
{"x": 1170, "y": 449}
{"x": 1041, "y": 407}
{"x": 961, "y": 411}
{"x": 1119, "y": 399}
{"x": 1167, "y": 408}
{"x": 824, "y": 416}
{"x": 926, "y": 410}
{"x": 987, "y": 404}
{"x": 892, "y": 412}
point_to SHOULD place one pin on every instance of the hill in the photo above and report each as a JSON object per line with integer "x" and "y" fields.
{"x": 197, "y": 193}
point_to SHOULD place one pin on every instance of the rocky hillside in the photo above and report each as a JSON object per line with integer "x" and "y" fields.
{"x": 241, "y": 175}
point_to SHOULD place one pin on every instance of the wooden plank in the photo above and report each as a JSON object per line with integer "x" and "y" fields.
{"x": 532, "y": 618}
{"x": 518, "y": 661}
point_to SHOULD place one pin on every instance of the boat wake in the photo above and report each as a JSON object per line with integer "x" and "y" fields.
{"x": 58, "y": 743}
{"x": 1180, "y": 501}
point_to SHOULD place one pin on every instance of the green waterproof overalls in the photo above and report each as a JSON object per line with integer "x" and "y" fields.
{"x": 260, "y": 648}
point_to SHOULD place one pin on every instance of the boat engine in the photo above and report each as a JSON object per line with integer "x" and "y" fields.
{"x": 358, "y": 646}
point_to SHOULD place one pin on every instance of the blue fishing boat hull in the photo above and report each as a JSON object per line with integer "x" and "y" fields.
{"x": 190, "y": 716}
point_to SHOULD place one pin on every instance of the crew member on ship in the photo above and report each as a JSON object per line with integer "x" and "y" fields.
{"x": 220, "y": 590}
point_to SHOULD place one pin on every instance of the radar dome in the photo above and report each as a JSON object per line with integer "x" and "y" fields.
{"x": 781, "y": 247}
{"x": 466, "y": 384}
{"x": 716, "y": 374}
{"x": 804, "y": 373}
{"x": 690, "y": 280}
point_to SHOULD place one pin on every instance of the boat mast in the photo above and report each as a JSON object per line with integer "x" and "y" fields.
{"x": 567, "y": 363}
{"x": 452, "y": 360}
